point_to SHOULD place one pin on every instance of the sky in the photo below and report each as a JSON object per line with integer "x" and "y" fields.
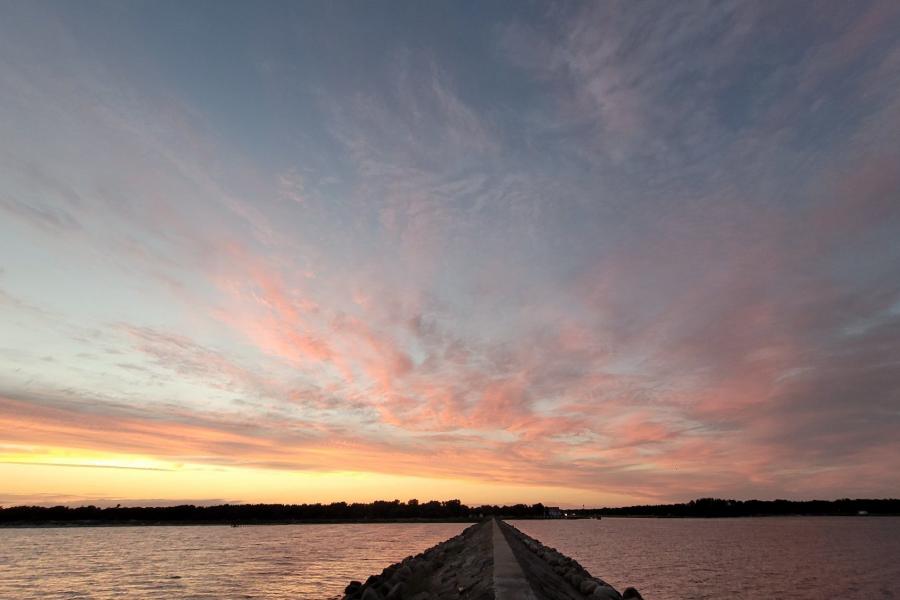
{"x": 574, "y": 253}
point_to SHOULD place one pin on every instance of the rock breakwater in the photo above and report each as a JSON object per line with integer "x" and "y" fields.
{"x": 555, "y": 576}
{"x": 460, "y": 568}
{"x": 464, "y": 568}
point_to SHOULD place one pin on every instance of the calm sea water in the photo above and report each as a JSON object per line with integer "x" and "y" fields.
{"x": 814, "y": 558}
{"x": 204, "y": 562}
{"x": 795, "y": 558}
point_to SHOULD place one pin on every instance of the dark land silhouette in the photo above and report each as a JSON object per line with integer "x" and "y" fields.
{"x": 380, "y": 510}
{"x": 717, "y": 507}
{"x": 448, "y": 510}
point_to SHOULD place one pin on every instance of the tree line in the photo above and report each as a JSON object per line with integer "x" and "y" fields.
{"x": 434, "y": 510}
{"x": 381, "y": 510}
{"x": 717, "y": 507}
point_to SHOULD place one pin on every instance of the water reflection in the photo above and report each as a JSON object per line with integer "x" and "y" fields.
{"x": 677, "y": 559}
{"x": 267, "y": 562}
{"x": 779, "y": 557}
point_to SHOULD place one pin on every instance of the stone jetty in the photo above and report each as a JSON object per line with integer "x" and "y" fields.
{"x": 490, "y": 560}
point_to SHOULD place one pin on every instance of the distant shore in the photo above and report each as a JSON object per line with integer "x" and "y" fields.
{"x": 449, "y": 511}
{"x": 81, "y": 524}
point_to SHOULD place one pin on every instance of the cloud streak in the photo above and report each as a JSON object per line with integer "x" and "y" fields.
{"x": 631, "y": 252}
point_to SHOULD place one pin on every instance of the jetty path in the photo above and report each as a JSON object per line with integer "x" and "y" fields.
{"x": 491, "y": 560}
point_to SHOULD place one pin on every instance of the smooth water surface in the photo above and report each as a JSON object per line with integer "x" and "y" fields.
{"x": 209, "y": 562}
{"x": 815, "y": 558}
{"x": 667, "y": 559}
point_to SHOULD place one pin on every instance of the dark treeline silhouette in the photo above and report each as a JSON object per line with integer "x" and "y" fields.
{"x": 715, "y": 507}
{"x": 381, "y": 510}
{"x": 448, "y": 510}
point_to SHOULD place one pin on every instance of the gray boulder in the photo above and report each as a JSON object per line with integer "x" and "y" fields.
{"x": 353, "y": 587}
{"x": 604, "y": 592}
{"x": 397, "y": 592}
{"x": 371, "y": 594}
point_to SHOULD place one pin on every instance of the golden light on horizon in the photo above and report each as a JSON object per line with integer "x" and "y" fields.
{"x": 107, "y": 477}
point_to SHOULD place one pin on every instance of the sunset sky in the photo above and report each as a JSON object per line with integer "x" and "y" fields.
{"x": 577, "y": 253}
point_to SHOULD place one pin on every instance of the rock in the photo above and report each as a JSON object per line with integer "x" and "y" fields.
{"x": 604, "y": 592}
{"x": 587, "y": 586}
{"x": 631, "y": 594}
{"x": 371, "y": 594}
{"x": 466, "y": 580}
{"x": 423, "y": 567}
{"x": 397, "y": 592}
{"x": 353, "y": 587}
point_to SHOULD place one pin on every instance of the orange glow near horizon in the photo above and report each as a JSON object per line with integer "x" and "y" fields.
{"x": 91, "y": 477}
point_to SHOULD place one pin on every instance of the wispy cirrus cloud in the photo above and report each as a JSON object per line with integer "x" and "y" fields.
{"x": 642, "y": 249}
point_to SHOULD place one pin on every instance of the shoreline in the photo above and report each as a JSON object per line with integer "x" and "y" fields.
{"x": 86, "y": 524}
